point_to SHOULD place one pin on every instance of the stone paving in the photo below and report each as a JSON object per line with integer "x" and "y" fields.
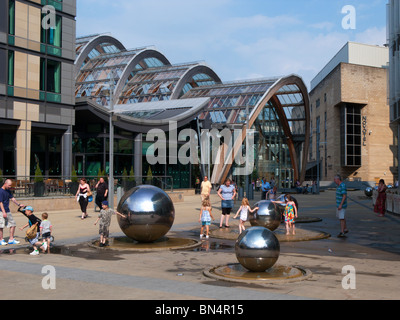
{"x": 372, "y": 247}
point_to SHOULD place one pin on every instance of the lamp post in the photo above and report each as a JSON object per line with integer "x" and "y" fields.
{"x": 111, "y": 147}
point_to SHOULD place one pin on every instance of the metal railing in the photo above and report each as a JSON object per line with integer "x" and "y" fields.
{"x": 55, "y": 186}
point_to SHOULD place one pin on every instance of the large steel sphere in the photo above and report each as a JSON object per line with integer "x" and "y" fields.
{"x": 257, "y": 249}
{"x": 149, "y": 213}
{"x": 267, "y": 215}
{"x": 369, "y": 192}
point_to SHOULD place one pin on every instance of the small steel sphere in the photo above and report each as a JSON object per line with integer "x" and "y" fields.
{"x": 369, "y": 192}
{"x": 267, "y": 215}
{"x": 257, "y": 249}
{"x": 149, "y": 213}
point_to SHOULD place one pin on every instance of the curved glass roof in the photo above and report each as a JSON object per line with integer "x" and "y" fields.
{"x": 158, "y": 84}
{"x": 94, "y": 79}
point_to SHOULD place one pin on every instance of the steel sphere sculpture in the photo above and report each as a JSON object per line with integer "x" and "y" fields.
{"x": 369, "y": 192}
{"x": 149, "y": 213}
{"x": 257, "y": 249}
{"x": 268, "y": 215}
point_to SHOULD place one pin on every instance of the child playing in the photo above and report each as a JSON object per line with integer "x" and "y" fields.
{"x": 205, "y": 217}
{"x": 33, "y": 220}
{"x": 105, "y": 222}
{"x": 290, "y": 213}
{"x": 46, "y": 229}
{"x": 244, "y": 209}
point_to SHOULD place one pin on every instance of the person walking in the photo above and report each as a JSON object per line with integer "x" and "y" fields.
{"x": 82, "y": 197}
{"x": 6, "y": 218}
{"x": 244, "y": 211}
{"x": 341, "y": 205}
{"x": 227, "y": 193}
{"x": 205, "y": 188}
{"x": 101, "y": 192}
{"x": 380, "y": 204}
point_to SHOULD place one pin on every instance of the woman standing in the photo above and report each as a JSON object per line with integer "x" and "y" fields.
{"x": 227, "y": 193}
{"x": 82, "y": 197}
{"x": 380, "y": 204}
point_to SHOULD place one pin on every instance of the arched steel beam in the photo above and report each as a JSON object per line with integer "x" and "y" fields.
{"x": 221, "y": 171}
{"x": 146, "y": 53}
{"x": 189, "y": 74}
{"x": 92, "y": 44}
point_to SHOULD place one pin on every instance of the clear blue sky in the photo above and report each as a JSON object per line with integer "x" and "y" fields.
{"x": 239, "y": 39}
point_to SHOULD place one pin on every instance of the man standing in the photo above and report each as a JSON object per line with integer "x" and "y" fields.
{"x": 341, "y": 205}
{"x": 101, "y": 192}
{"x": 265, "y": 187}
{"x": 205, "y": 188}
{"x": 6, "y": 219}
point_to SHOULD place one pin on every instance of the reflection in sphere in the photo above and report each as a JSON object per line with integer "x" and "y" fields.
{"x": 257, "y": 249}
{"x": 267, "y": 216}
{"x": 369, "y": 192}
{"x": 149, "y": 213}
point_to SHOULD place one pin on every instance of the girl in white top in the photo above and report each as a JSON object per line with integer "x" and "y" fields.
{"x": 244, "y": 210}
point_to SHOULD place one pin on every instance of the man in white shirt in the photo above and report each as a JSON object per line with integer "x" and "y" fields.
{"x": 205, "y": 188}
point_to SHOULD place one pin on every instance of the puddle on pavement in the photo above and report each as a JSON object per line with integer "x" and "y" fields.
{"x": 214, "y": 246}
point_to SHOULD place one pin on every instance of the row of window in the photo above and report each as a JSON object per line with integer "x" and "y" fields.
{"x": 50, "y": 37}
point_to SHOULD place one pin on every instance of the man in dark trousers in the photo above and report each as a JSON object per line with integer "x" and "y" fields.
{"x": 101, "y": 192}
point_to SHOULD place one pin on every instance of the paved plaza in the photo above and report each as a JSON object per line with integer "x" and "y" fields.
{"x": 372, "y": 247}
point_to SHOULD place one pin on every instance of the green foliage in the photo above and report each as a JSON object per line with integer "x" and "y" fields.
{"x": 131, "y": 175}
{"x": 38, "y": 174}
{"x": 74, "y": 176}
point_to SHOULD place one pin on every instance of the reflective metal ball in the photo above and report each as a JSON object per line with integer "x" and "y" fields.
{"x": 257, "y": 249}
{"x": 369, "y": 192}
{"x": 149, "y": 213}
{"x": 268, "y": 215}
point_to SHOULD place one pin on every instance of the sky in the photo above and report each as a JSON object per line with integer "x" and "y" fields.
{"x": 239, "y": 39}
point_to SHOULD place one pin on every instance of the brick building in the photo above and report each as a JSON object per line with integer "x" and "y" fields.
{"x": 350, "y": 117}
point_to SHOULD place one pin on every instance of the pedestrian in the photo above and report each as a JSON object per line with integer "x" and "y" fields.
{"x": 258, "y": 184}
{"x": 290, "y": 214}
{"x": 244, "y": 210}
{"x": 380, "y": 204}
{"x": 82, "y": 197}
{"x": 46, "y": 229}
{"x": 227, "y": 193}
{"x": 205, "y": 187}
{"x": 105, "y": 221}
{"x": 271, "y": 194}
{"x": 341, "y": 205}
{"x": 205, "y": 217}
{"x": 33, "y": 220}
{"x": 265, "y": 187}
{"x": 101, "y": 192}
{"x": 6, "y": 218}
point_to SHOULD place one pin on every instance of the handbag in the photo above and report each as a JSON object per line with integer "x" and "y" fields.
{"x": 31, "y": 232}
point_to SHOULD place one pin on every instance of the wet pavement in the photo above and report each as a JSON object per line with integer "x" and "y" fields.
{"x": 84, "y": 271}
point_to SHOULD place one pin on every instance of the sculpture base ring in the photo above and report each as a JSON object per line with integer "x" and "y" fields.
{"x": 163, "y": 244}
{"x": 235, "y": 272}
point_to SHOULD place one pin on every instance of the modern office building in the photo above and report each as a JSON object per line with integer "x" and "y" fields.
{"x": 37, "y": 55}
{"x": 350, "y": 117}
{"x": 393, "y": 42}
{"x": 149, "y": 92}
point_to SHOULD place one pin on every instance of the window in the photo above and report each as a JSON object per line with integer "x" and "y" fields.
{"x": 318, "y": 103}
{"x": 52, "y": 36}
{"x": 10, "y": 68}
{"x": 351, "y": 139}
{"x": 50, "y": 80}
{"x": 11, "y": 17}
